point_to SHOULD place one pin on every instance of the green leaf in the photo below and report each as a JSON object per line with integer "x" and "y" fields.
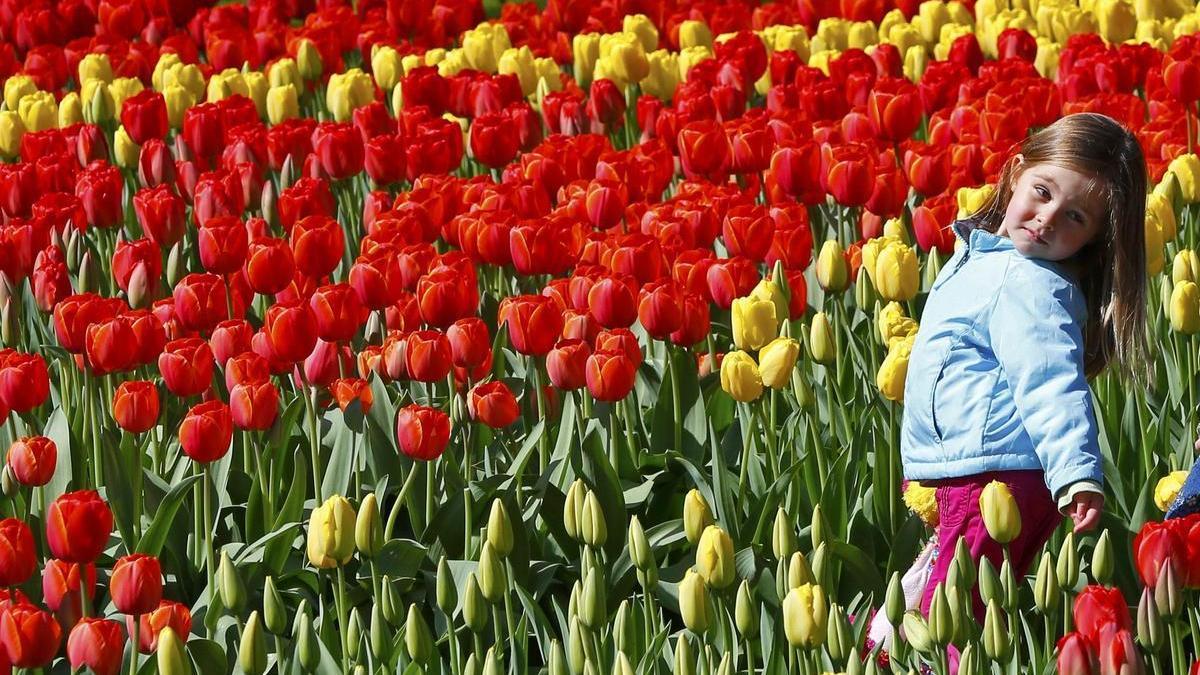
{"x": 207, "y": 656}
{"x": 400, "y": 558}
{"x": 58, "y": 429}
{"x": 153, "y": 538}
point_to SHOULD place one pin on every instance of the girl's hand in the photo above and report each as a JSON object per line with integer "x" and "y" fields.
{"x": 1085, "y": 510}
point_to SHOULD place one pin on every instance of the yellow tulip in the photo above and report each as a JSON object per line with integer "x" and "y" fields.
{"x": 219, "y": 89}
{"x": 767, "y": 289}
{"x": 386, "y": 67}
{"x": 930, "y": 18}
{"x": 347, "y": 92}
{"x": 1186, "y": 168}
{"x": 16, "y": 88}
{"x": 1161, "y": 9}
{"x": 832, "y": 272}
{"x": 1158, "y": 206}
{"x": 693, "y": 33}
{"x": 520, "y": 62}
{"x": 1185, "y": 308}
{"x": 410, "y": 61}
{"x": 916, "y": 60}
{"x": 39, "y": 111}
{"x": 776, "y": 362}
{"x": 585, "y": 48}
{"x": 178, "y": 101}
{"x": 861, "y": 35}
{"x": 1167, "y": 489}
{"x": 122, "y": 88}
{"x": 1154, "y": 247}
{"x": 740, "y": 377}
{"x": 95, "y": 67}
{"x": 284, "y": 71}
{"x": 950, "y": 33}
{"x": 283, "y": 103}
{"x": 896, "y": 273}
{"x": 483, "y": 46}
{"x": 894, "y": 370}
{"x": 125, "y": 150}
{"x": 832, "y": 33}
{"x": 331, "y": 533}
{"x": 696, "y": 515}
{"x": 714, "y": 557}
{"x": 308, "y": 60}
{"x": 166, "y": 61}
{"x": 805, "y": 615}
{"x": 894, "y": 228}
{"x": 187, "y": 76}
{"x": 959, "y": 13}
{"x": 453, "y": 62}
{"x": 790, "y": 39}
{"x": 256, "y": 85}
{"x": 11, "y": 131}
{"x": 693, "y": 602}
{"x": 664, "y": 74}
{"x": 547, "y": 71}
{"x": 904, "y": 36}
{"x": 624, "y": 58}
{"x": 1116, "y": 20}
{"x": 821, "y": 342}
{"x": 754, "y": 322}
{"x": 870, "y": 253}
{"x": 641, "y": 26}
{"x": 1186, "y": 25}
{"x": 690, "y": 57}
{"x": 887, "y": 320}
{"x": 1000, "y": 514}
{"x": 70, "y": 110}
{"x": 894, "y": 17}
{"x": 1185, "y": 266}
{"x": 435, "y": 56}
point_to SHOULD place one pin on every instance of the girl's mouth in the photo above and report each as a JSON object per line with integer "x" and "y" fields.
{"x": 1034, "y": 236}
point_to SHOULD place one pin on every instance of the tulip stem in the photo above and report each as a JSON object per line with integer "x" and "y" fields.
{"x": 209, "y": 526}
{"x": 341, "y": 617}
{"x": 133, "y": 646}
{"x": 310, "y": 404}
{"x": 400, "y": 498}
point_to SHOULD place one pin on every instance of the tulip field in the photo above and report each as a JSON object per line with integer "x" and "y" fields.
{"x": 458, "y": 336}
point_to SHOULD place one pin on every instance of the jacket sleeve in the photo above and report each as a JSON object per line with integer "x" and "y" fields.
{"x": 1036, "y": 330}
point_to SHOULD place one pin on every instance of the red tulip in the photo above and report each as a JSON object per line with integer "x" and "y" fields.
{"x": 931, "y": 223}
{"x": 339, "y": 147}
{"x": 927, "y": 168}
{"x": 206, "y": 432}
{"x": 326, "y": 363}
{"x": 894, "y": 106}
{"x": 731, "y": 278}
{"x": 101, "y": 188}
{"x": 470, "y": 344}
{"x": 144, "y": 116}
{"x": 377, "y": 278}
{"x": 612, "y": 300}
{"x": 493, "y": 404}
{"x": 534, "y": 323}
{"x": 1155, "y": 544}
{"x": 229, "y": 339}
{"x": 306, "y": 197}
{"x": 78, "y": 525}
{"x": 660, "y": 308}
{"x": 610, "y": 375}
{"x": 1075, "y": 656}
{"x": 156, "y": 164}
{"x": 695, "y": 322}
{"x": 444, "y": 296}
{"x": 51, "y": 281}
{"x": 848, "y": 173}
{"x": 223, "y": 243}
{"x": 129, "y": 254}
{"x": 161, "y": 215}
{"x": 168, "y": 614}
{"x": 269, "y": 266}
{"x": 254, "y": 405}
{"x": 291, "y": 331}
{"x": 422, "y": 432}
{"x": 246, "y": 368}
{"x": 384, "y": 159}
{"x": 111, "y": 346}
{"x": 204, "y": 131}
{"x": 1118, "y": 653}
{"x": 24, "y": 382}
{"x": 30, "y": 636}
{"x": 1096, "y": 607}
{"x": 136, "y": 584}
{"x": 32, "y": 460}
{"x": 135, "y": 406}
{"x": 347, "y": 390}
{"x": 200, "y": 302}
{"x": 337, "y": 311}
{"x": 74, "y": 314}
{"x": 186, "y": 366}
{"x": 1182, "y": 77}
{"x": 61, "y": 587}
{"x": 703, "y": 149}
{"x": 428, "y": 357}
{"x": 317, "y": 245}
{"x": 494, "y": 140}
{"x": 566, "y": 364}
{"x": 18, "y": 555}
{"x": 747, "y": 231}
{"x": 98, "y": 644}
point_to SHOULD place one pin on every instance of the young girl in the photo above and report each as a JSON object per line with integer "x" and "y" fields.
{"x": 1047, "y": 288}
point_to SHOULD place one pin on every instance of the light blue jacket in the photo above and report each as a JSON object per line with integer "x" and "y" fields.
{"x": 995, "y": 381}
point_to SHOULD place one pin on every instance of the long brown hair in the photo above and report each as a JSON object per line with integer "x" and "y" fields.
{"x": 1110, "y": 269}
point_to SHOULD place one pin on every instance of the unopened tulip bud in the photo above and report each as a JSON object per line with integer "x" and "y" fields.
{"x": 820, "y": 563}
{"x": 491, "y": 574}
{"x": 447, "y": 594}
{"x": 648, "y": 578}
{"x": 685, "y": 662}
{"x": 624, "y": 628}
{"x": 622, "y": 666}
{"x": 1000, "y": 514}
{"x": 593, "y": 609}
{"x": 783, "y": 536}
{"x": 865, "y": 295}
{"x": 840, "y": 636}
{"x": 776, "y": 362}
{"x": 379, "y": 634}
{"x": 354, "y": 634}
{"x": 1008, "y": 584}
{"x": 799, "y": 571}
{"x": 388, "y": 602}
{"x": 639, "y": 547}
{"x": 1046, "y": 592}
{"x": 10, "y": 322}
{"x": 933, "y": 267}
{"x": 831, "y": 267}
{"x": 693, "y": 602}
{"x": 916, "y": 632}
{"x": 592, "y": 526}
{"x": 1068, "y": 563}
{"x": 1150, "y": 629}
{"x": 941, "y": 623}
{"x": 997, "y": 643}
{"x": 500, "y": 530}
{"x": 307, "y": 646}
{"x": 989, "y": 582}
{"x": 573, "y": 509}
{"x": 171, "y": 658}
{"x": 1167, "y": 592}
{"x": 491, "y": 663}
{"x": 141, "y": 289}
{"x": 252, "y": 651}
{"x": 418, "y": 641}
{"x": 745, "y": 613}
{"x": 1102, "y": 560}
{"x": 696, "y": 515}
{"x": 577, "y": 636}
{"x": 176, "y": 264}
{"x": 230, "y": 585}
{"x": 471, "y": 667}
{"x": 274, "y": 611}
{"x": 308, "y": 60}
{"x": 821, "y": 340}
{"x": 557, "y": 663}
{"x": 818, "y": 528}
{"x": 8, "y": 482}
{"x": 714, "y": 557}
{"x": 894, "y": 604}
{"x": 368, "y": 528}
{"x": 475, "y": 611}
{"x": 89, "y": 274}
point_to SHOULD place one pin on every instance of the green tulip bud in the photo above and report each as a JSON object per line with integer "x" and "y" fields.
{"x": 171, "y": 657}
{"x": 1167, "y": 593}
{"x": 964, "y": 566}
{"x": 447, "y": 594}
{"x": 252, "y": 651}
{"x": 622, "y": 666}
{"x": 491, "y": 663}
{"x": 865, "y": 295}
{"x": 989, "y": 582}
{"x": 933, "y": 267}
{"x": 573, "y": 509}
{"x": 821, "y": 340}
{"x": 491, "y": 574}
{"x": 1102, "y": 559}
{"x": 558, "y": 659}
{"x": 693, "y": 602}
{"x": 418, "y": 641}
{"x": 745, "y": 612}
{"x": 592, "y": 528}
{"x": 648, "y": 579}
{"x": 685, "y": 661}
{"x": 894, "y": 604}
{"x": 961, "y": 619}
{"x": 592, "y": 604}
{"x": 289, "y": 172}
{"x": 941, "y": 623}
{"x": 696, "y": 515}
{"x": 781, "y": 580}
{"x": 89, "y": 274}
{"x": 820, "y": 560}
{"x": 1046, "y": 593}
{"x": 576, "y": 597}
{"x": 500, "y": 530}
{"x": 1068, "y": 563}
{"x": 388, "y": 602}
{"x": 368, "y": 528}
{"x": 1008, "y": 583}
{"x": 471, "y": 667}
{"x": 968, "y": 658}
{"x": 576, "y": 637}
{"x": 8, "y": 483}
{"x": 381, "y": 643}
{"x": 230, "y": 586}
{"x": 996, "y": 642}
{"x": 1149, "y": 622}
{"x": 176, "y": 265}
{"x": 840, "y": 637}
{"x": 725, "y": 667}
{"x": 818, "y": 528}
{"x": 274, "y": 610}
{"x": 624, "y": 628}
{"x": 269, "y": 205}
{"x": 475, "y": 611}
{"x": 783, "y": 536}
{"x": 353, "y": 634}
{"x": 799, "y": 573}
{"x": 639, "y": 546}
{"x": 306, "y": 643}
{"x": 916, "y": 632}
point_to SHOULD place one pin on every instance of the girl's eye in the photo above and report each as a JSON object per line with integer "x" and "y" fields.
{"x": 1042, "y": 192}
{"x": 1077, "y": 216}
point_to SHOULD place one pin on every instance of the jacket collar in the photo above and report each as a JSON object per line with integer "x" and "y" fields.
{"x": 978, "y": 239}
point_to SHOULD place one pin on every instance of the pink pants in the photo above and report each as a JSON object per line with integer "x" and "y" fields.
{"x": 959, "y": 516}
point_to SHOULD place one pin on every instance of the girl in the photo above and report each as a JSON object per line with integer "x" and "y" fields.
{"x": 1047, "y": 288}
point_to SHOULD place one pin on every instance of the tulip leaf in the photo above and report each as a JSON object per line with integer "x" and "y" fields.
{"x": 58, "y": 430}
{"x": 864, "y": 571}
{"x": 603, "y": 481}
{"x": 208, "y": 656}
{"x": 339, "y": 468}
{"x": 155, "y": 536}
{"x": 540, "y": 622}
{"x": 400, "y": 558}
{"x": 118, "y": 486}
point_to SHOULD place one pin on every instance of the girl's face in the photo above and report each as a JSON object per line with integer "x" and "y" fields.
{"x": 1054, "y": 212}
